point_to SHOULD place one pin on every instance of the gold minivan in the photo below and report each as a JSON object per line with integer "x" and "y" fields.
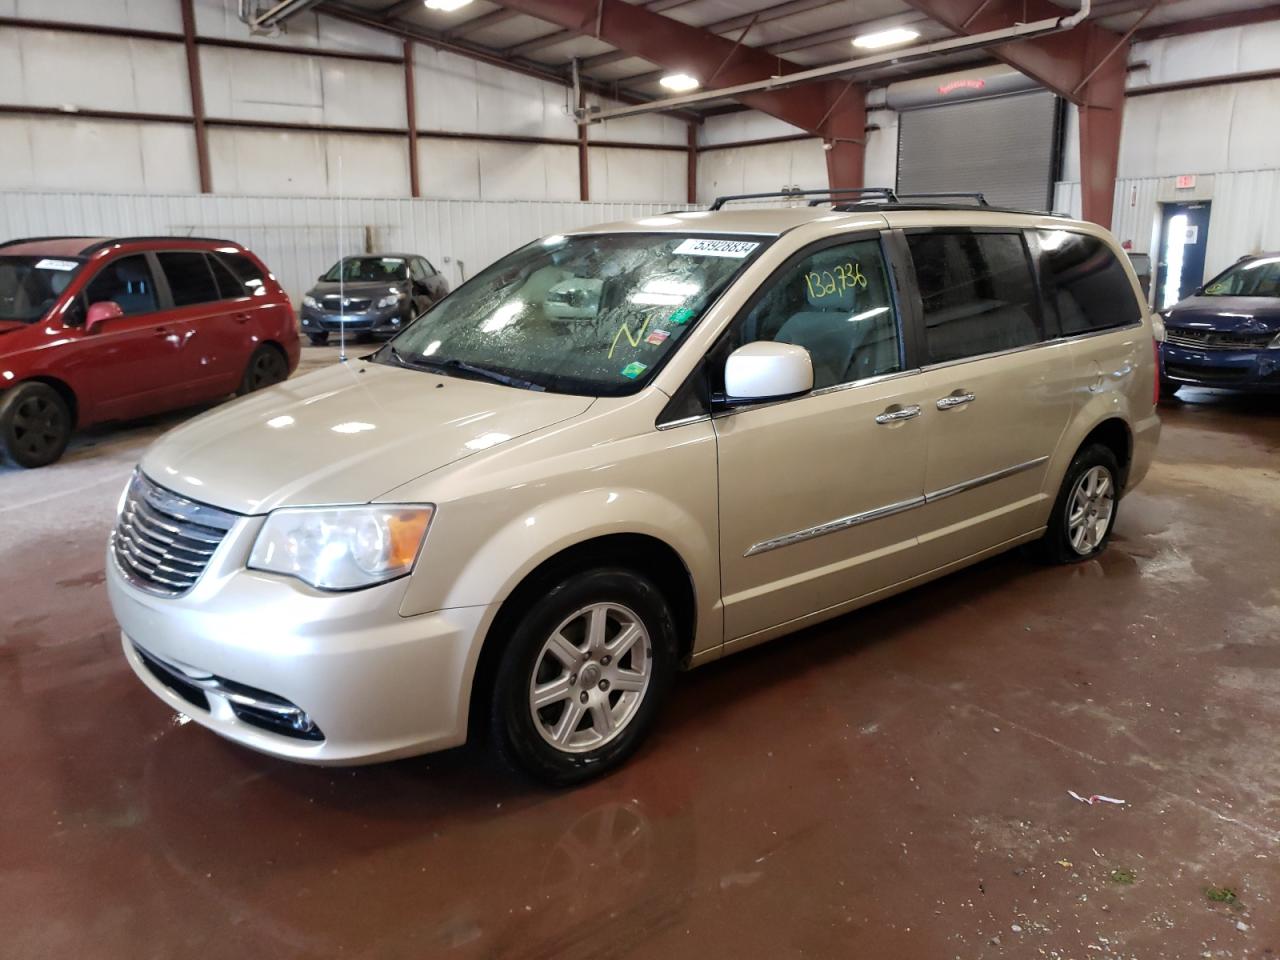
{"x": 627, "y": 450}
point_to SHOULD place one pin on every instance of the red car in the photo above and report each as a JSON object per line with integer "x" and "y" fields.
{"x": 95, "y": 329}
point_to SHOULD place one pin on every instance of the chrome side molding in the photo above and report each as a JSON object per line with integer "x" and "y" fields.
{"x": 879, "y": 513}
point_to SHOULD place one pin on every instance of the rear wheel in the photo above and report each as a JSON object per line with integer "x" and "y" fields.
{"x": 318, "y": 339}
{"x": 266, "y": 366}
{"x": 35, "y": 425}
{"x": 1085, "y": 512}
{"x": 587, "y": 668}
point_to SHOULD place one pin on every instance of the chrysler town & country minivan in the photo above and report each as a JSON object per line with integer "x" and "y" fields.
{"x": 626, "y": 450}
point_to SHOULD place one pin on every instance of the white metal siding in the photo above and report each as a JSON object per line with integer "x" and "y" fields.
{"x": 298, "y": 237}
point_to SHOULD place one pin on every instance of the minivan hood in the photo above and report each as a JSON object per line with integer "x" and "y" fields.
{"x": 345, "y": 434}
{"x": 1228, "y": 314}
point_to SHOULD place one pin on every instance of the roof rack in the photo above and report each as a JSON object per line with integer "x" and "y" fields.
{"x": 884, "y": 192}
{"x": 108, "y": 241}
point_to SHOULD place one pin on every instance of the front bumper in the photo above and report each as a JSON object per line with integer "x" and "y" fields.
{"x": 1251, "y": 370}
{"x": 379, "y": 323}
{"x": 372, "y": 684}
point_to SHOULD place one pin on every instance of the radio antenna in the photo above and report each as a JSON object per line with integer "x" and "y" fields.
{"x": 342, "y": 276}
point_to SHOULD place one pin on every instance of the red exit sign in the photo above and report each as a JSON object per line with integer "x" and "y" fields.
{"x": 1185, "y": 182}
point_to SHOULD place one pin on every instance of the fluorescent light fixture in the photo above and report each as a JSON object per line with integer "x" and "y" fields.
{"x": 679, "y": 82}
{"x": 885, "y": 38}
{"x": 446, "y": 6}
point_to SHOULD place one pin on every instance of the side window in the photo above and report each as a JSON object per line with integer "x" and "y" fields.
{"x": 978, "y": 292}
{"x": 431, "y": 271}
{"x": 836, "y": 304}
{"x": 126, "y": 281}
{"x": 246, "y": 272}
{"x": 1085, "y": 283}
{"x": 415, "y": 269}
{"x": 190, "y": 280}
{"x": 228, "y": 286}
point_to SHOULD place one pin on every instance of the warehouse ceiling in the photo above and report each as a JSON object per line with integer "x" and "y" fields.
{"x": 806, "y": 33}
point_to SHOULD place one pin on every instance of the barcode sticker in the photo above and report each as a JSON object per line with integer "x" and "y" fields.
{"x": 702, "y": 247}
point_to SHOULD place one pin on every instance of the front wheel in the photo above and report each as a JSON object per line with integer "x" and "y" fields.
{"x": 266, "y": 366}
{"x": 35, "y": 425}
{"x": 583, "y": 677}
{"x": 1085, "y": 512}
{"x": 318, "y": 339}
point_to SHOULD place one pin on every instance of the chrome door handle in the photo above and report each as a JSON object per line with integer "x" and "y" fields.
{"x": 893, "y": 416}
{"x": 955, "y": 400}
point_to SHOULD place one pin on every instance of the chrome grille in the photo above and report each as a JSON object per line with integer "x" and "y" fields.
{"x": 163, "y": 542}
{"x": 332, "y": 303}
{"x": 1216, "y": 339}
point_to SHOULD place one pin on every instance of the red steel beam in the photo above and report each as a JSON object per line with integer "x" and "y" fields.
{"x": 833, "y": 110}
{"x": 197, "y": 96}
{"x": 411, "y": 116}
{"x": 1085, "y": 65}
{"x": 1223, "y": 21}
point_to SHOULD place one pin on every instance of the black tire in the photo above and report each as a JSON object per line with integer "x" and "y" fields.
{"x": 516, "y": 734}
{"x": 318, "y": 339}
{"x": 35, "y": 425}
{"x": 1056, "y": 545}
{"x": 266, "y": 366}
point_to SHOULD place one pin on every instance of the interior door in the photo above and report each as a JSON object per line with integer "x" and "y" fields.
{"x": 819, "y": 494}
{"x": 129, "y": 364}
{"x": 1184, "y": 240}
{"x": 997, "y": 395}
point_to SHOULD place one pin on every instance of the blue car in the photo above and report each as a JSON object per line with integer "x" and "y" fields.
{"x": 1227, "y": 334}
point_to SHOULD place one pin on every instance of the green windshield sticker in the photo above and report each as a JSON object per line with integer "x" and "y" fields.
{"x": 634, "y": 369}
{"x": 681, "y": 316}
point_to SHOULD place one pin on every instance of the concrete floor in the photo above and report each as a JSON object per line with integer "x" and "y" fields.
{"x": 892, "y": 784}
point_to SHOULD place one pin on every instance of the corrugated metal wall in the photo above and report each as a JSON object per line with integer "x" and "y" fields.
{"x": 1244, "y": 216}
{"x": 299, "y": 237}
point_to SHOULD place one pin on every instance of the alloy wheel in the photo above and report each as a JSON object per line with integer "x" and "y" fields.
{"x": 1090, "y": 510}
{"x": 590, "y": 677}
{"x": 39, "y": 426}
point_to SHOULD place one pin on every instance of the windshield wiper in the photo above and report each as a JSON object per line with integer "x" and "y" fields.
{"x": 462, "y": 366}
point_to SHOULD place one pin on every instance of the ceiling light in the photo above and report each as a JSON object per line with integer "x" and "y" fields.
{"x": 679, "y": 82}
{"x": 885, "y": 38}
{"x": 447, "y": 6}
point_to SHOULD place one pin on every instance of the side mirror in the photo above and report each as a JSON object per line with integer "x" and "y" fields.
{"x": 766, "y": 370}
{"x": 100, "y": 313}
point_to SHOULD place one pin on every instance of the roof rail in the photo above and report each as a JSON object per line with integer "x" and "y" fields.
{"x": 947, "y": 195}
{"x": 719, "y": 202}
{"x": 69, "y": 236}
{"x": 93, "y": 248}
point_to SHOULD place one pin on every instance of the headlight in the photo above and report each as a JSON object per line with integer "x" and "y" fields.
{"x": 310, "y": 301}
{"x": 390, "y": 300}
{"x": 342, "y": 548}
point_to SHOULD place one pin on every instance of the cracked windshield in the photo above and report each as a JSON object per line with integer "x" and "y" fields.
{"x": 588, "y": 314}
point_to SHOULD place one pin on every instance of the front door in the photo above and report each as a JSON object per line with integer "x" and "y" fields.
{"x": 130, "y": 363}
{"x": 1184, "y": 238}
{"x": 998, "y": 397}
{"x": 819, "y": 495}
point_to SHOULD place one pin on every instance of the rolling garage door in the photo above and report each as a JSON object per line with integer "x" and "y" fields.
{"x": 1004, "y": 147}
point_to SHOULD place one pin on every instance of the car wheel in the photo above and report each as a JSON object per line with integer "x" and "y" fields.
{"x": 583, "y": 677}
{"x": 35, "y": 425}
{"x": 266, "y": 366}
{"x": 318, "y": 339}
{"x": 1085, "y": 512}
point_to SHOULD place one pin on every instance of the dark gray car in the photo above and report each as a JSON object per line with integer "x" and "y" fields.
{"x": 374, "y": 295}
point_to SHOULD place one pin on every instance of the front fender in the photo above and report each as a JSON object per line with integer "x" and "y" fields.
{"x": 492, "y": 570}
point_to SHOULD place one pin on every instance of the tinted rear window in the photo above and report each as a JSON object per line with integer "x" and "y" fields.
{"x": 1085, "y": 284}
{"x": 978, "y": 293}
{"x": 190, "y": 279}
